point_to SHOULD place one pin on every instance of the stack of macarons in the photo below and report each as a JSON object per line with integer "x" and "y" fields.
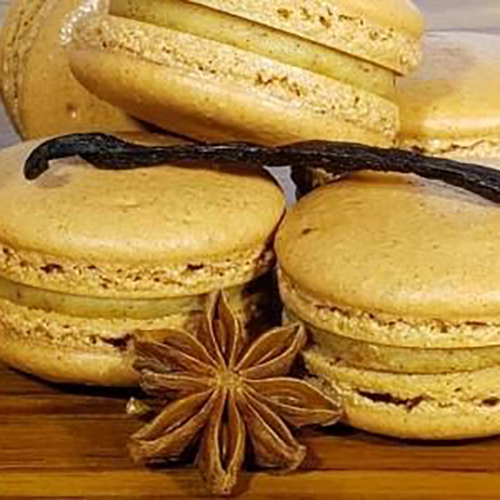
{"x": 216, "y": 70}
{"x": 402, "y": 305}
{"x": 88, "y": 257}
{"x": 395, "y": 276}
{"x": 395, "y": 279}
{"x": 92, "y": 250}
{"x": 449, "y": 107}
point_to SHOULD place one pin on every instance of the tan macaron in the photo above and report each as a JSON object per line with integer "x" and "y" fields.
{"x": 450, "y": 106}
{"x": 397, "y": 280}
{"x": 41, "y": 96}
{"x": 89, "y": 256}
{"x": 249, "y": 71}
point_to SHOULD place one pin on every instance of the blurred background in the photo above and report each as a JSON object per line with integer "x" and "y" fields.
{"x": 463, "y": 14}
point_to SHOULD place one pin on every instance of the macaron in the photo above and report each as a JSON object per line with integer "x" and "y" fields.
{"x": 88, "y": 257}
{"x": 396, "y": 279}
{"x": 40, "y": 94}
{"x": 450, "y": 106}
{"x": 247, "y": 70}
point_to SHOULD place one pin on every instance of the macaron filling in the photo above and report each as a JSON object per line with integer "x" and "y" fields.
{"x": 397, "y": 359}
{"x": 385, "y": 32}
{"x": 72, "y": 322}
{"x": 257, "y": 38}
{"x": 121, "y": 308}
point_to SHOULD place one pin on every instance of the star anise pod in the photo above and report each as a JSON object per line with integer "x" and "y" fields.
{"x": 228, "y": 396}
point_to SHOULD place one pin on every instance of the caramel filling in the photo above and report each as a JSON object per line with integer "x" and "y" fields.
{"x": 253, "y": 37}
{"x": 104, "y": 307}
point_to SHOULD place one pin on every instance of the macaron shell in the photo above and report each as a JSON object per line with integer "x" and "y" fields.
{"x": 287, "y": 48}
{"x": 56, "y": 364}
{"x": 444, "y": 406}
{"x": 408, "y": 332}
{"x": 162, "y": 231}
{"x": 213, "y": 91}
{"x": 17, "y": 26}
{"x": 40, "y": 93}
{"x": 127, "y": 216}
{"x": 385, "y": 32}
{"x": 396, "y": 246}
{"x": 451, "y": 105}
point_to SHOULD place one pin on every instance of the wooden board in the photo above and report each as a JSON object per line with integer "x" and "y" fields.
{"x": 71, "y": 444}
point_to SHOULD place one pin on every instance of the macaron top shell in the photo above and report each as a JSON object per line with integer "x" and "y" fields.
{"x": 182, "y": 219}
{"x": 451, "y": 104}
{"x": 386, "y": 32}
{"x": 396, "y": 247}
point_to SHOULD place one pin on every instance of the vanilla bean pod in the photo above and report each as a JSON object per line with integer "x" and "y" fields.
{"x": 107, "y": 152}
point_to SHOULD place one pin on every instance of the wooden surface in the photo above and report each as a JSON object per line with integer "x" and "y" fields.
{"x": 70, "y": 443}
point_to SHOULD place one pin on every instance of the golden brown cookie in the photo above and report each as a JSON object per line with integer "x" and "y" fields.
{"x": 41, "y": 96}
{"x": 450, "y": 106}
{"x": 396, "y": 279}
{"x": 236, "y": 70}
{"x": 89, "y": 256}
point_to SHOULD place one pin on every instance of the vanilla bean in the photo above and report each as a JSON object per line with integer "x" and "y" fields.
{"x": 110, "y": 153}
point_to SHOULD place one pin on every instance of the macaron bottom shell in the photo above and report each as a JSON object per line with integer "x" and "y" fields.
{"x": 456, "y": 406}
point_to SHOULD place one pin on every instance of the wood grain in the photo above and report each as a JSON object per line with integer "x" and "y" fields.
{"x": 70, "y": 443}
